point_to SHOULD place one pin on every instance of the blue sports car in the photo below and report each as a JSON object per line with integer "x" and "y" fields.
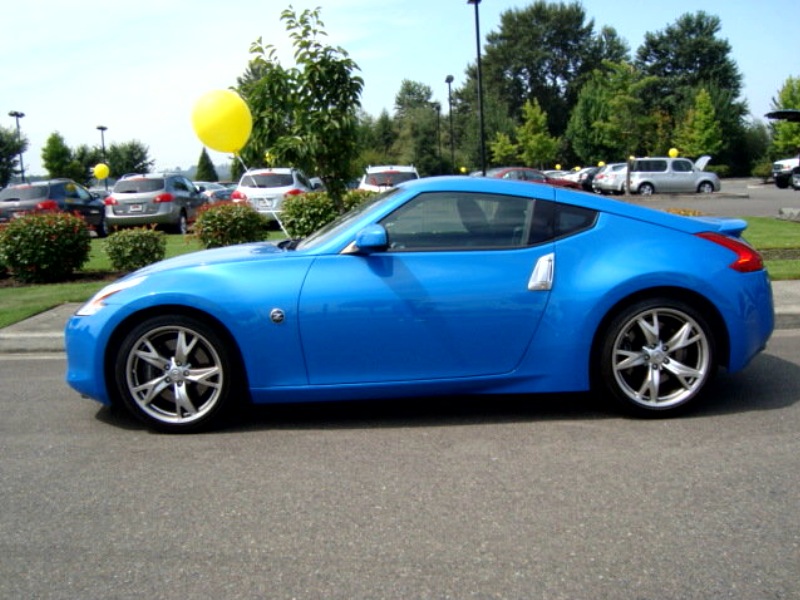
{"x": 445, "y": 285}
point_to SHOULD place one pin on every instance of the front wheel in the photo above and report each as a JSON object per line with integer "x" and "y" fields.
{"x": 705, "y": 187}
{"x": 657, "y": 356}
{"x": 173, "y": 373}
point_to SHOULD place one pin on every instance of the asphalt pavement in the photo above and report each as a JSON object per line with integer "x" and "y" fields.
{"x": 44, "y": 333}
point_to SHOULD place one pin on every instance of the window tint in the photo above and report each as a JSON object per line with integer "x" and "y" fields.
{"x": 681, "y": 166}
{"x": 24, "y": 193}
{"x": 268, "y": 180}
{"x": 461, "y": 220}
{"x": 138, "y": 185}
{"x": 650, "y": 165}
{"x": 389, "y": 178}
{"x": 572, "y": 219}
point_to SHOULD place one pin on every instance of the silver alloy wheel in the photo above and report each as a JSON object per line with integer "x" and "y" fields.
{"x": 705, "y": 188}
{"x": 661, "y": 358}
{"x": 174, "y": 375}
{"x": 646, "y": 189}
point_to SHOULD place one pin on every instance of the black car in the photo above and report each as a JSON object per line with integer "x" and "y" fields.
{"x": 63, "y": 195}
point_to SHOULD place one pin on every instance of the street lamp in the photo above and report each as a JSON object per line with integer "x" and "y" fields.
{"x": 18, "y": 115}
{"x": 102, "y": 129}
{"x": 449, "y": 80}
{"x": 480, "y": 86}
{"x": 438, "y": 108}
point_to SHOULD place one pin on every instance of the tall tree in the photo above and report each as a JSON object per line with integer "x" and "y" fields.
{"x": 686, "y": 56}
{"x": 700, "y": 132}
{"x": 61, "y": 161}
{"x": 546, "y": 51}
{"x": 205, "y": 168}
{"x": 306, "y": 116}
{"x": 785, "y": 134}
{"x": 10, "y": 148}
{"x": 536, "y": 146}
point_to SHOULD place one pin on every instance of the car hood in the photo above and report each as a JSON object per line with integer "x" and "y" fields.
{"x": 215, "y": 256}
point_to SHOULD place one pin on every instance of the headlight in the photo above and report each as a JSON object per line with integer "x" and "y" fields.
{"x": 98, "y": 300}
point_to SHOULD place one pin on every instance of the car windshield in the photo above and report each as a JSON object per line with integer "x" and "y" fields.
{"x": 33, "y": 192}
{"x": 333, "y": 228}
{"x": 390, "y": 177}
{"x": 268, "y": 180}
{"x": 137, "y": 186}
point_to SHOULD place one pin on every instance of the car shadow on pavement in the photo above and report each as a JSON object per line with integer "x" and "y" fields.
{"x": 770, "y": 383}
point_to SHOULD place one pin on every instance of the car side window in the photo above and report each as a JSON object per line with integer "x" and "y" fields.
{"x": 462, "y": 221}
{"x": 681, "y": 166}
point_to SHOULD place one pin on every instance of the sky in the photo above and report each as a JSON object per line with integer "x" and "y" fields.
{"x": 139, "y": 68}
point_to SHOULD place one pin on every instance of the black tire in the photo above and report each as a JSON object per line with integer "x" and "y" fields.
{"x": 174, "y": 374}
{"x": 182, "y": 226}
{"x": 102, "y": 228}
{"x": 657, "y": 356}
{"x": 646, "y": 189}
{"x": 705, "y": 187}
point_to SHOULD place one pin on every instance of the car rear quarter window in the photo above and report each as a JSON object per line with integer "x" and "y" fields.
{"x": 573, "y": 219}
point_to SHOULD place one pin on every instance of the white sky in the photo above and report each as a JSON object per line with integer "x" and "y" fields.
{"x": 139, "y": 67}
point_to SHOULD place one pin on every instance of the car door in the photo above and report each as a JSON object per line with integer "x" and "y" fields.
{"x": 682, "y": 176}
{"x": 454, "y": 295}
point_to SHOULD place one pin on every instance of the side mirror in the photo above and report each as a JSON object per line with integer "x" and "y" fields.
{"x": 372, "y": 238}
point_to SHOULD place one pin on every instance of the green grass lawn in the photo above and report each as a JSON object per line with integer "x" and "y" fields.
{"x": 20, "y": 302}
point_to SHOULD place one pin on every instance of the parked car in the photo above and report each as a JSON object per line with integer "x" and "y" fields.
{"x": 444, "y": 285}
{"x": 63, "y": 195}
{"x": 531, "y": 176}
{"x": 583, "y": 177}
{"x": 266, "y": 189}
{"x": 207, "y": 188}
{"x": 672, "y": 175}
{"x": 796, "y": 178}
{"x": 782, "y": 171}
{"x": 220, "y": 195}
{"x": 167, "y": 200}
{"x": 383, "y": 177}
{"x": 610, "y": 179}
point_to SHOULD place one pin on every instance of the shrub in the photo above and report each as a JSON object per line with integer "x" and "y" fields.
{"x": 763, "y": 170}
{"x": 131, "y": 249}
{"x": 722, "y": 171}
{"x": 45, "y": 247}
{"x": 228, "y": 223}
{"x": 304, "y": 214}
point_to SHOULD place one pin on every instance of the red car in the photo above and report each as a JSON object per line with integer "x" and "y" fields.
{"x": 531, "y": 175}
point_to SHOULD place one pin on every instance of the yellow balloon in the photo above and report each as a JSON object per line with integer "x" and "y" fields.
{"x": 601, "y": 164}
{"x": 222, "y": 121}
{"x": 101, "y": 171}
{"x": 673, "y": 152}
{"x": 558, "y": 167}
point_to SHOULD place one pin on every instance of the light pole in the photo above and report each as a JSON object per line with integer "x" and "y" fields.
{"x": 438, "y": 108}
{"x": 102, "y": 129}
{"x": 480, "y": 86}
{"x": 18, "y": 115}
{"x": 449, "y": 81}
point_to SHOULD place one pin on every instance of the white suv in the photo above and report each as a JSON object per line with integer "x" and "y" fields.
{"x": 377, "y": 179}
{"x": 782, "y": 171}
{"x": 266, "y": 189}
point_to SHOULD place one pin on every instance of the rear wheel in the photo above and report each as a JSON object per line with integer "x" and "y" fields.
{"x": 173, "y": 373}
{"x": 182, "y": 226}
{"x": 646, "y": 189}
{"x": 657, "y": 356}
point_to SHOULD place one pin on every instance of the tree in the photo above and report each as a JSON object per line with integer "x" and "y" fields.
{"x": 546, "y": 51}
{"x": 129, "y": 157}
{"x": 61, "y": 161}
{"x": 700, "y": 132}
{"x": 307, "y": 115}
{"x": 684, "y": 57}
{"x": 786, "y": 134}
{"x": 504, "y": 151}
{"x": 10, "y": 148}
{"x": 537, "y": 147}
{"x": 205, "y": 168}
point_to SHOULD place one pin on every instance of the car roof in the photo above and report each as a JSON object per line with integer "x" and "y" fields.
{"x": 395, "y": 168}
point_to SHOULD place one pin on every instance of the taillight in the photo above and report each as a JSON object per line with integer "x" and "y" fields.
{"x": 47, "y": 205}
{"x": 747, "y": 258}
{"x": 110, "y": 201}
{"x": 237, "y": 195}
{"x": 293, "y": 192}
{"x": 162, "y": 198}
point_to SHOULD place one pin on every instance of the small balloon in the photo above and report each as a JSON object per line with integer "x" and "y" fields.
{"x": 558, "y": 167}
{"x": 673, "y": 152}
{"x": 222, "y": 121}
{"x": 601, "y": 164}
{"x": 101, "y": 171}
